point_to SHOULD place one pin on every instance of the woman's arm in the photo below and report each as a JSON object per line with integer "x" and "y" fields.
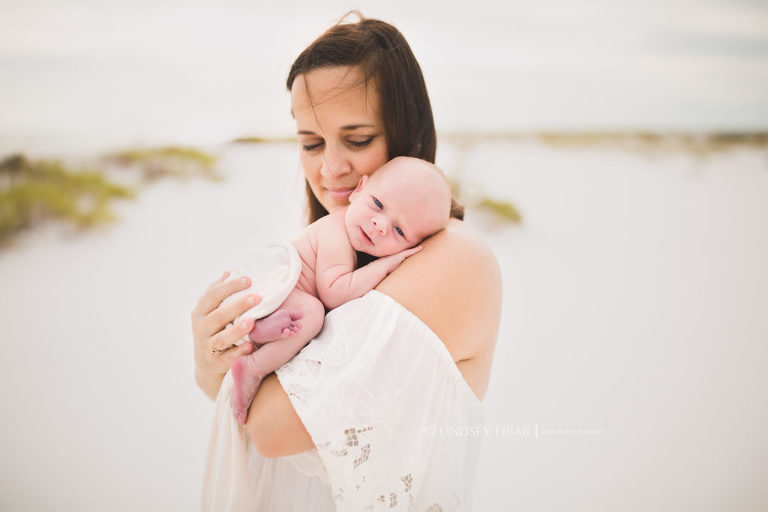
{"x": 453, "y": 285}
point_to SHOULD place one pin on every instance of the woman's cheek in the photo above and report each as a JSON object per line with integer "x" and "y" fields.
{"x": 373, "y": 159}
{"x": 310, "y": 166}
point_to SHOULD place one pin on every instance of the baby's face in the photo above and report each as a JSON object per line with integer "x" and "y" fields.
{"x": 395, "y": 211}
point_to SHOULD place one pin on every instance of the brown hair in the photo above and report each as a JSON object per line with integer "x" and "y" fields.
{"x": 383, "y": 56}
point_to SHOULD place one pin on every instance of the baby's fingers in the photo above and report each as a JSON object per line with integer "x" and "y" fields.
{"x": 411, "y": 251}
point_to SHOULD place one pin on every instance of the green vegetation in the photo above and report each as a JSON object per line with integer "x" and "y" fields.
{"x": 169, "y": 161}
{"x": 262, "y": 140}
{"x": 504, "y": 210}
{"x": 35, "y": 191}
{"x": 250, "y": 140}
{"x": 699, "y": 144}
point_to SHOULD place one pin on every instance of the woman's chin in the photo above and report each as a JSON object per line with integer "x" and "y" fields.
{"x": 333, "y": 201}
{"x": 332, "y": 206}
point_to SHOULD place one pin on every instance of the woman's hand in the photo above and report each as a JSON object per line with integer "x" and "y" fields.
{"x": 214, "y": 333}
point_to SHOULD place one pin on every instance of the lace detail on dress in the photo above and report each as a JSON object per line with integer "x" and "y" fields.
{"x": 407, "y": 480}
{"x": 369, "y": 389}
{"x": 303, "y": 369}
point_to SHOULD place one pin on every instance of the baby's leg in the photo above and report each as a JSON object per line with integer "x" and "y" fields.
{"x": 248, "y": 371}
{"x": 280, "y": 324}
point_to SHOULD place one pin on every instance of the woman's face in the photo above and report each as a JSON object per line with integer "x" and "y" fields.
{"x": 341, "y": 135}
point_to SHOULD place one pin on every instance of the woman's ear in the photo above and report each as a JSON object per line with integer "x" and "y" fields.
{"x": 359, "y": 187}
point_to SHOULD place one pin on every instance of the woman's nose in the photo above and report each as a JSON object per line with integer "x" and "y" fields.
{"x": 334, "y": 163}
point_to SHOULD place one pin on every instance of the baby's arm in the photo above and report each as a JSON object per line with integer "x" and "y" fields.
{"x": 337, "y": 280}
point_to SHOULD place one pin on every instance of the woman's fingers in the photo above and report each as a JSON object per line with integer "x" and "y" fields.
{"x": 227, "y": 356}
{"x": 213, "y": 343}
{"x": 218, "y": 291}
{"x": 221, "y": 279}
{"x": 226, "y": 313}
{"x": 224, "y": 341}
{"x": 220, "y": 362}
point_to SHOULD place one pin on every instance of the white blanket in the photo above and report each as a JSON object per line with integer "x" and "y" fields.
{"x": 274, "y": 269}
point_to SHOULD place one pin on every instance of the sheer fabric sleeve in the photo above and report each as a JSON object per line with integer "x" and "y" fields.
{"x": 239, "y": 479}
{"x": 392, "y": 418}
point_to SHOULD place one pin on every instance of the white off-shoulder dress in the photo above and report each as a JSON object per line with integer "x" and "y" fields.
{"x": 392, "y": 419}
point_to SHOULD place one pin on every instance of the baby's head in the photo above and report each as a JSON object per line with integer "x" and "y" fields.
{"x": 395, "y": 208}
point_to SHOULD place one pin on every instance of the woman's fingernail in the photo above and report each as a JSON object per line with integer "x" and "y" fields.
{"x": 244, "y": 324}
{"x": 252, "y": 300}
{"x": 244, "y": 280}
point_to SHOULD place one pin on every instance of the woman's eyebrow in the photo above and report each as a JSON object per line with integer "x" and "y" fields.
{"x": 347, "y": 127}
{"x": 356, "y": 126}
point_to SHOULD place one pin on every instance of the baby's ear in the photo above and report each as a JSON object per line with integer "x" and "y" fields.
{"x": 359, "y": 187}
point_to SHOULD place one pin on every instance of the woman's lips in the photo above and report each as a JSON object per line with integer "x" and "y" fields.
{"x": 366, "y": 237}
{"x": 339, "y": 194}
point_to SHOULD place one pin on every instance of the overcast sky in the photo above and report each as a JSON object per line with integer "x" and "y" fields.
{"x": 186, "y": 71}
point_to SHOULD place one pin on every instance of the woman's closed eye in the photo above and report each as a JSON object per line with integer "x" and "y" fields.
{"x": 399, "y": 231}
{"x": 357, "y": 144}
{"x": 311, "y": 146}
{"x": 378, "y": 203}
{"x": 361, "y": 143}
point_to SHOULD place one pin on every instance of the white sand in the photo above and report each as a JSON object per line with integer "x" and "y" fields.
{"x": 634, "y": 307}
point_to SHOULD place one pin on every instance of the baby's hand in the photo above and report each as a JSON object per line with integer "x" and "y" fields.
{"x": 393, "y": 261}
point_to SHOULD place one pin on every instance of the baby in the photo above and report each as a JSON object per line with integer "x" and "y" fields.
{"x": 389, "y": 213}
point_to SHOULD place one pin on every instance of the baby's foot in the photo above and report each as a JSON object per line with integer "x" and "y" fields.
{"x": 278, "y": 325}
{"x": 246, "y": 377}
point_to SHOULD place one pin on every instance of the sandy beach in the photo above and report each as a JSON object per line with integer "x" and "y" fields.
{"x": 630, "y": 371}
{"x": 630, "y": 366}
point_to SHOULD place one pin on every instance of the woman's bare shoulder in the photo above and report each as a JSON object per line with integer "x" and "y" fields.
{"x": 454, "y": 286}
{"x": 454, "y": 256}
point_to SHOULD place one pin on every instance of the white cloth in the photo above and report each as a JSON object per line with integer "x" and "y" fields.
{"x": 388, "y": 411}
{"x": 274, "y": 269}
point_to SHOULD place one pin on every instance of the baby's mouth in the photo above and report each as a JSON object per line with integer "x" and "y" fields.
{"x": 366, "y": 237}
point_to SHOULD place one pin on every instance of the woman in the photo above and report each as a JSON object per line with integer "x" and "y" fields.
{"x": 366, "y": 416}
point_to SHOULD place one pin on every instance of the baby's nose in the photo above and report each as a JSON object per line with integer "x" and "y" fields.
{"x": 380, "y": 225}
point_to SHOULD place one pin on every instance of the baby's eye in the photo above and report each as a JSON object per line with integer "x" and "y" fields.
{"x": 377, "y": 203}
{"x": 399, "y": 231}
